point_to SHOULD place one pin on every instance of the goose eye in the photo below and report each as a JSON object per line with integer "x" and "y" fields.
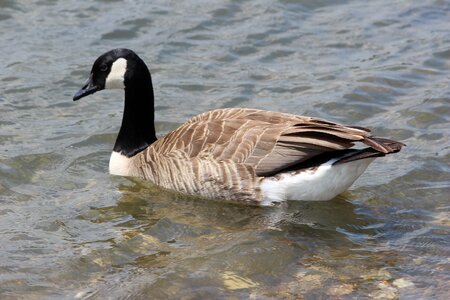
{"x": 103, "y": 67}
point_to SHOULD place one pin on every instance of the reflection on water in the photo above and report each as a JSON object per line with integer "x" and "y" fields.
{"x": 204, "y": 244}
{"x": 69, "y": 230}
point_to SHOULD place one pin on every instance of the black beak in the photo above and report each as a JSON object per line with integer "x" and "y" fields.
{"x": 87, "y": 89}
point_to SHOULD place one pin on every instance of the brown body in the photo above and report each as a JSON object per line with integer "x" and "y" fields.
{"x": 226, "y": 153}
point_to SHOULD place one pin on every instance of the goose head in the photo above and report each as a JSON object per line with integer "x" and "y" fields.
{"x": 115, "y": 69}
{"x": 124, "y": 69}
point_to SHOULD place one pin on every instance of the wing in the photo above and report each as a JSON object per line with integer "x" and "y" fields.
{"x": 265, "y": 141}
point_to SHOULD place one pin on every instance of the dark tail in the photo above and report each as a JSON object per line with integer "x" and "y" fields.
{"x": 378, "y": 147}
{"x": 383, "y": 145}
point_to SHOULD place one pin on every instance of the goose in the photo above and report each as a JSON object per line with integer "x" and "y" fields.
{"x": 240, "y": 154}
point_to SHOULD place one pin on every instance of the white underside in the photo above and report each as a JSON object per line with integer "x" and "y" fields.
{"x": 119, "y": 164}
{"x": 321, "y": 184}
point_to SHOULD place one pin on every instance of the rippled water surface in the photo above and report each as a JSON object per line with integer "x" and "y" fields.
{"x": 69, "y": 230}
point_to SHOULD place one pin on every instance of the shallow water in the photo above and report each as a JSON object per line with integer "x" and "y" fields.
{"x": 70, "y": 230}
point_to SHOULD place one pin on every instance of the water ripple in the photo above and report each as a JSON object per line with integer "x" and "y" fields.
{"x": 68, "y": 229}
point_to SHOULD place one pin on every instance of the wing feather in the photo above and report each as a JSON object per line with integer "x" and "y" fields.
{"x": 262, "y": 140}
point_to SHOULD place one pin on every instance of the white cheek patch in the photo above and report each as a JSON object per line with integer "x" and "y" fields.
{"x": 115, "y": 79}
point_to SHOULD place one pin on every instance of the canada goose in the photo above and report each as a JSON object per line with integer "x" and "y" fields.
{"x": 242, "y": 154}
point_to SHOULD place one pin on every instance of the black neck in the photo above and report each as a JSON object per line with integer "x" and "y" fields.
{"x": 138, "y": 128}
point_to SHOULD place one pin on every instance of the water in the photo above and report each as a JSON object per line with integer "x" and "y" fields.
{"x": 70, "y": 230}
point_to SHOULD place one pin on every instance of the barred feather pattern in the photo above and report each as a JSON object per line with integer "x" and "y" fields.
{"x": 225, "y": 153}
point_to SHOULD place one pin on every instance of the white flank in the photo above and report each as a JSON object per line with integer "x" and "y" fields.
{"x": 115, "y": 79}
{"x": 119, "y": 164}
{"x": 321, "y": 184}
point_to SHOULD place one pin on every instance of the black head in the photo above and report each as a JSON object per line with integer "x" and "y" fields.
{"x": 114, "y": 69}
